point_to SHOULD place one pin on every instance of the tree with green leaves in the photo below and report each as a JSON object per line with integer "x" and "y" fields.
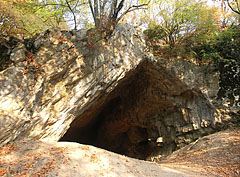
{"x": 234, "y": 5}
{"x": 174, "y": 20}
{"x": 60, "y": 10}
{"x": 15, "y": 22}
{"x": 107, "y": 13}
{"x": 229, "y": 10}
{"x": 24, "y": 18}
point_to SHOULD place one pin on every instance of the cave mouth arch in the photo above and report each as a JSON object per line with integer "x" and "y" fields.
{"x": 113, "y": 123}
{"x": 129, "y": 139}
{"x": 147, "y": 115}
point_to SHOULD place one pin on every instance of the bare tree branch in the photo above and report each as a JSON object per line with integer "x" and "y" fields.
{"x": 76, "y": 4}
{"x": 96, "y": 12}
{"x": 238, "y": 12}
{"x": 91, "y": 8}
{"x": 74, "y": 16}
{"x": 133, "y": 8}
{"x": 102, "y": 7}
{"x": 237, "y": 5}
{"x": 106, "y": 13}
{"x": 119, "y": 8}
{"x": 112, "y": 9}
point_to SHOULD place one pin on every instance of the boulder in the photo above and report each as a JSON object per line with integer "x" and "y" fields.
{"x": 71, "y": 86}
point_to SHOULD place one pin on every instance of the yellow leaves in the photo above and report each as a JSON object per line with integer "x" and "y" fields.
{"x": 25, "y": 71}
{"x": 17, "y": 19}
{"x": 111, "y": 28}
{"x": 7, "y": 149}
{"x": 62, "y": 39}
{"x": 85, "y": 148}
{"x": 3, "y": 171}
{"x": 94, "y": 158}
{"x": 9, "y": 18}
{"x": 30, "y": 162}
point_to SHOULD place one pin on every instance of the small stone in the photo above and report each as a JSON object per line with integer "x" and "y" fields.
{"x": 159, "y": 140}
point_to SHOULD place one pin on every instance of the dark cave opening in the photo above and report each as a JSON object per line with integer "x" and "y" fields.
{"x": 142, "y": 117}
{"x": 130, "y": 140}
{"x": 113, "y": 125}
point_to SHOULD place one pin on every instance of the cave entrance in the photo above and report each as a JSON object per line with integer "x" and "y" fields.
{"x": 114, "y": 124}
{"x": 149, "y": 114}
{"x": 114, "y": 129}
{"x": 131, "y": 141}
{"x": 136, "y": 119}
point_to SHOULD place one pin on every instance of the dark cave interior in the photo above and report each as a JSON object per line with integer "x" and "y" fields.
{"x": 113, "y": 128}
{"x": 130, "y": 141}
{"x": 119, "y": 136}
{"x": 141, "y": 118}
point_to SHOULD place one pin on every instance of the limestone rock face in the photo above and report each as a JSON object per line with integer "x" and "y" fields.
{"x": 66, "y": 86}
{"x": 46, "y": 90}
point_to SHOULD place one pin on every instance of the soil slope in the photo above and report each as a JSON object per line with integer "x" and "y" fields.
{"x": 213, "y": 155}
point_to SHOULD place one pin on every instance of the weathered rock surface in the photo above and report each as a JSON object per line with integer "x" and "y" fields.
{"x": 64, "y": 86}
{"x": 45, "y": 91}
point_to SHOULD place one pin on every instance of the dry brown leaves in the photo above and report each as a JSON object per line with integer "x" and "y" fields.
{"x": 23, "y": 160}
{"x": 216, "y": 155}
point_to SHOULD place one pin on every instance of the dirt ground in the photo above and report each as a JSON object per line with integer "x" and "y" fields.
{"x": 214, "y": 155}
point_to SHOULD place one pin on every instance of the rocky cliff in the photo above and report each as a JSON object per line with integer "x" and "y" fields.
{"x": 70, "y": 86}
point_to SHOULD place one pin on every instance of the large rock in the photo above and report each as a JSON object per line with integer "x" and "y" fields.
{"x": 66, "y": 86}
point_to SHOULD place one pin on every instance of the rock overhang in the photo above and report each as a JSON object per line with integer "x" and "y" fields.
{"x": 133, "y": 103}
{"x": 150, "y": 111}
